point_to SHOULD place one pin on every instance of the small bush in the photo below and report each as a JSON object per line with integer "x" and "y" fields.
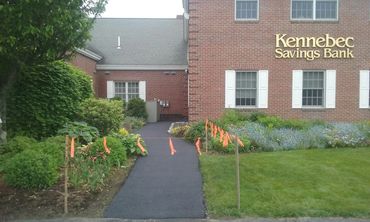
{"x": 136, "y": 108}
{"x": 44, "y": 97}
{"x": 117, "y": 154}
{"x": 103, "y": 114}
{"x": 345, "y": 135}
{"x": 84, "y": 133}
{"x": 130, "y": 143}
{"x": 133, "y": 123}
{"x": 53, "y": 149}
{"x": 217, "y": 146}
{"x": 253, "y": 117}
{"x": 31, "y": 169}
{"x": 123, "y": 132}
{"x": 196, "y": 130}
{"x": 18, "y": 144}
{"x": 231, "y": 117}
{"x": 180, "y": 131}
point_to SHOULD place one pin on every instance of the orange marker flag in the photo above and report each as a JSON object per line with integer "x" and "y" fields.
{"x": 226, "y": 140}
{"x": 140, "y": 146}
{"x": 222, "y": 133}
{"x": 73, "y": 147}
{"x": 211, "y": 127}
{"x": 197, "y": 145}
{"x": 215, "y": 131}
{"x": 172, "y": 148}
{"x": 239, "y": 142}
{"x": 105, "y": 145}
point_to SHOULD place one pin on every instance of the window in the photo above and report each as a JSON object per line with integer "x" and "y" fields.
{"x": 126, "y": 90}
{"x": 314, "y": 9}
{"x": 364, "y": 89}
{"x": 246, "y": 88}
{"x": 246, "y": 10}
{"x": 313, "y": 88}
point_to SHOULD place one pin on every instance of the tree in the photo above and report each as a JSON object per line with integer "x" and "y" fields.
{"x": 40, "y": 31}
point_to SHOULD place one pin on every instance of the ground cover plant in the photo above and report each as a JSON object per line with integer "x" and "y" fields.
{"x": 314, "y": 183}
{"x": 270, "y": 133}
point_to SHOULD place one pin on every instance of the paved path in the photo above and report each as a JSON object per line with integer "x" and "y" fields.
{"x": 161, "y": 186}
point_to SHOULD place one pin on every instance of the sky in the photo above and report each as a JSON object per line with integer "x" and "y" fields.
{"x": 143, "y": 9}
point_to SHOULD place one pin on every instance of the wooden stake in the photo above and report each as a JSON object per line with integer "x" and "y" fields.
{"x": 66, "y": 164}
{"x": 207, "y": 140}
{"x": 237, "y": 174}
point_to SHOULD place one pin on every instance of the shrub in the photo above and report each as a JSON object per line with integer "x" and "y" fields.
{"x": 217, "y": 146}
{"x": 345, "y": 135}
{"x": 18, "y": 144}
{"x": 44, "y": 97}
{"x": 254, "y": 116}
{"x": 123, "y": 132}
{"x": 117, "y": 154}
{"x": 53, "y": 149}
{"x": 133, "y": 123}
{"x": 84, "y": 133}
{"x": 31, "y": 169}
{"x": 130, "y": 143}
{"x": 103, "y": 114}
{"x": 136, "y": 107}
{"x": 231, "y": 117}
{"x": 196, "y": 130}
{"x": 180, "y": 131}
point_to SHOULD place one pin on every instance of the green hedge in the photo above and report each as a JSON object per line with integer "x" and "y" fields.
{"x": 117, "y": 154}
{"x": 31, "y": 169}
{"x": 136, "y": 108}
{"x": 44, "y": 97}
{"x": 103, "y": 114}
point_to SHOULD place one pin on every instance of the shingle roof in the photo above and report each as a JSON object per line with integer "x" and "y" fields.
{"x": 143, "y": 41}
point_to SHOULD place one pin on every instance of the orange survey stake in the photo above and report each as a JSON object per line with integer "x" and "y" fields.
{"x": 73, "y": 147}
{"x": 172, "y": 148}
{"x": 105, "y": 145}
{"x": 140, "y": 146}
{"x": 197, "y": 145}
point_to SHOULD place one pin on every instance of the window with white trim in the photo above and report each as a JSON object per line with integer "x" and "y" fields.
{"x": 313, "y": 88}
{"x": 246, "y": 9}
{"x": 246, "y": 89}
{"x": 126, "y": 90}
{"x": 314, "y": 9}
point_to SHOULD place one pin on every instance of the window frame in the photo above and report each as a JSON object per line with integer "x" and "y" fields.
{"x": 323, "y": 106}
{"x": 257, "y": 95}
{"x": 247, "y": 19}
{"x": 313, "y": 13}
{"x": 126, "y": 89}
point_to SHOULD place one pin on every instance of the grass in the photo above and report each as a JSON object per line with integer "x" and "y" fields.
{"x": 315, "y": 183}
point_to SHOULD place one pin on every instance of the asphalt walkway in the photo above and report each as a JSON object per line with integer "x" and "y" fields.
{"x": 161, "y": 186}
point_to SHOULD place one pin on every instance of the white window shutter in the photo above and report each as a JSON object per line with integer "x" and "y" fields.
{"x": 230, "y": 88}
{"x": 110, "y": 89}
{"x": 263, "y": 84}
{"x": 142, "y": 90}
{"x": 364, "y": 89}
{"x": 297, "y": 87}
{"x": 330, "y": 89}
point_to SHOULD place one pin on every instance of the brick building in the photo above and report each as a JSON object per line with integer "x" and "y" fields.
{"x": 278, "y": 57}
{"x": 293, "y": 58}
{"x": 145, "y": 58}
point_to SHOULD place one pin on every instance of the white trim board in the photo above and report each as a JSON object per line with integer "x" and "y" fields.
{"x": 141, "y": 67}
{"x": 89, "y": 54}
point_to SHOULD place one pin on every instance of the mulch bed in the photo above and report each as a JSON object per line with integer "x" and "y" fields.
{"x": 26, "y": 204}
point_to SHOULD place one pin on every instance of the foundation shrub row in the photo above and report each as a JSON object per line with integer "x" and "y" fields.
{"x": 260, "y": 132}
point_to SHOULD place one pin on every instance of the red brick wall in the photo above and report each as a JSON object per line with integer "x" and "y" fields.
{"x": 217, "y": 43}
{"x": 87, "y": 65}
{"x": 159, "y": 85}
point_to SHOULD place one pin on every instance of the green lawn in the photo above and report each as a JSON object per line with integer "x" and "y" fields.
{"x": 330, "y": 182}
